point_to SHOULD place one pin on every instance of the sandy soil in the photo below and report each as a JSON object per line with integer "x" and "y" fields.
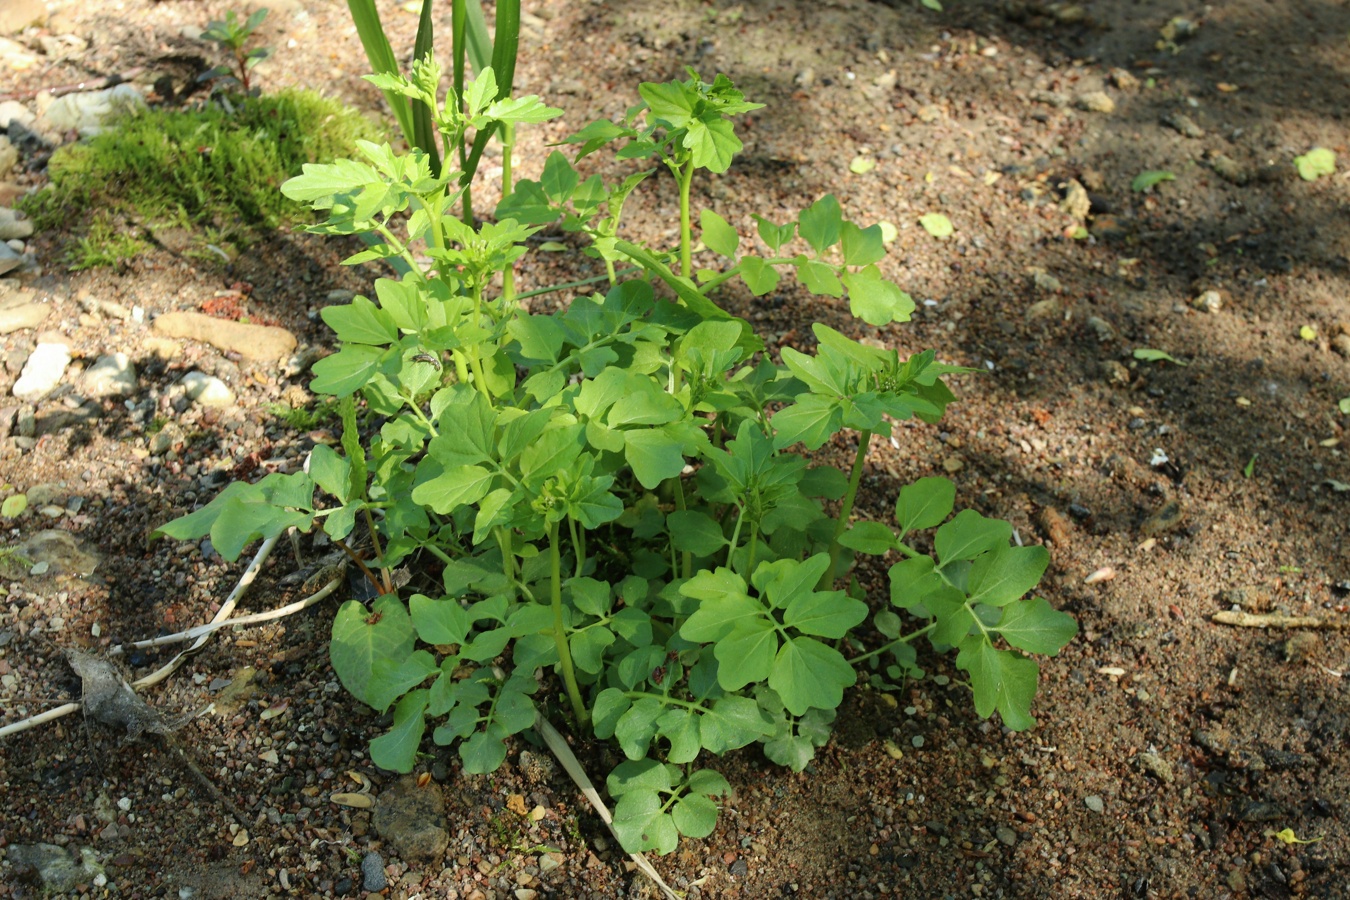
{"x": 1169, "y": 749}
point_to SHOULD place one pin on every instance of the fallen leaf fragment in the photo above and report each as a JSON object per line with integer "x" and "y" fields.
{"x": 275, "y": 710}
{"x": 1105, "y": 573}
{"x": 353, "y": 801}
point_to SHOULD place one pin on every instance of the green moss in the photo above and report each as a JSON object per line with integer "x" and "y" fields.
{"x": 204, "y": 168}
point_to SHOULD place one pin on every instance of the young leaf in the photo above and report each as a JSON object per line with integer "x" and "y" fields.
{"x": 642, "y": 824}
{"x": 869, "y": 537}
{"x": 938, "y": 225}
{"x": 759, "y": 276}
{"x": 362, "y": 637}
{"x": 1146, "y": 181}
{"x": 968, "y": 535}
{"x": 695, "y": 815}
{"x": 1005, "y": 573}
{"x": 1001, "y": 680}
{"x": 396, "y": 750}
{"x": 925, "y": 503}
{"x": 820, "y": 224}
{"x": 1151, "y": 355}
{"x": 718, "y": 235}
{"x": 807, "y": 673}
{"x": 1036, "y": 627}
{"x": 862, "y": 246}
{"x": 1315, "y": 163}
{"x": 695, "y": 532}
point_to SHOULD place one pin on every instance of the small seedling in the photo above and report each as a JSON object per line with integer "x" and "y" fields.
{"x": 1147, "y": 181}
{"x": 232, "y": 35}
{"x": 1248, "y": 469}
{"x": 1315, "y": 163}
{"x": 1150, "y": 355}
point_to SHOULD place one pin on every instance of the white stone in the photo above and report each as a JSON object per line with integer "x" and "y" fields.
{"x": 88, "y": 111}
{"x": 113, "y": 375}
{"x": 43, "y": 371}
{"x": 207, "y": 390}
{"x": 13, "y": 109}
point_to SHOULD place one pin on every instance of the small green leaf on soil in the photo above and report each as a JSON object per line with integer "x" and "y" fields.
{"x": 1146, "y": 181}
{"x": 1149, "y": 354}
{"x": 1248, "y": 469}
{"x": 934, "y": 5}
{"x": 1315, "y": 163}
{"x": 1345, "y": 405}
{"x": 14, "y": 506}
{"x": 888, "y": 232}
{"x": 1308, "y": 333}
{"x": 861, "y": 165}
{"x": 938, "y": 225}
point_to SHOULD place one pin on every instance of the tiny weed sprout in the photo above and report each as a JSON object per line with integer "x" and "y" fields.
{"x": 233, "y": 37}
{"x": 610, "y": 511}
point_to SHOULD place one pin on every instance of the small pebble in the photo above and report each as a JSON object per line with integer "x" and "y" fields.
{"x": 1094, "y": 803}
{"x": 372, "y": 872}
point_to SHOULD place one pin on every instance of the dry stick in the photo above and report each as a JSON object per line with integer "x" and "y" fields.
{"x": 62, "y": 89}
{"x": 564, "y": 754}
{"x": 167, "y": 669}
{"x": 1274, "y": 620}
{"x": 255, "y": 618}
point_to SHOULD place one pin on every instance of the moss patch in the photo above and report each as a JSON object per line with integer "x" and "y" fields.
{"x": 214, "y": 171}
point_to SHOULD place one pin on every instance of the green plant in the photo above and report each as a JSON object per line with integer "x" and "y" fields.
{"x": 304, "y": 418}
{"x": 613, "y": 492}
{"x": 202, "y": 167}
{"x": 233, "y": 36}
{"x": 1315, "y": 163}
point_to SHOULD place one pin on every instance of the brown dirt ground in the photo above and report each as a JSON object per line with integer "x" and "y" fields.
{"x": 1200, "y": 740}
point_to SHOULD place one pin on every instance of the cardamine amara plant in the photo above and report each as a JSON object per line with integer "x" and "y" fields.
{"x": 613, "y": 505}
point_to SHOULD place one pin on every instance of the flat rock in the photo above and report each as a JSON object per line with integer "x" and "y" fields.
{"x": 113, "y": 375}
{"x": 252, "y": 342}
{"x": 59, "y": 869}
{"x": 1096, "y": 101}
{"x": 63, "y": 553}
{"x": 87, "y": 112}
{"x": 24, "y": 315}
{"x": 10, "y": 259}
{"x": 12, "y": 110}
{"x": 412, "y": 819}
{"x": 13, "y": 226}
{"x": 207, "y": 390}
{"x": 43, "y": 371}
{"x": 16, "y": 15}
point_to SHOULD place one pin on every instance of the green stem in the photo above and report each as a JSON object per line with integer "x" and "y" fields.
{"x": 508, "y": 557}
{"x": 379, "y": 553}
{"x": 854, "y": 478}
{"x": 578, "y": 544}
{"x": 685, "y": 174}
{"x": 568, "y": 285}
{"x": 735, "y": 537}
{"x": 686, "y": 569}
{"x": 508, "y": 138}
{"x": 887, "y": 646}
{"x": 560, "y": 632}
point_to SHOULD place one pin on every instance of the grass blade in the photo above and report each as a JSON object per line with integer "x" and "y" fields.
{"x": 381, "y": 57}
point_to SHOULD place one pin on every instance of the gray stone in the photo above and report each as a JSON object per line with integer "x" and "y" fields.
{"x": 207, "y": 390}
{"x": 9, "y": 154}
{"x": 1096, "y": 101}
{"x": 64, "y": 555}
{"x": 1094, "y": 803}
{"x": 1229, "y": 169}
{"x": 1164, "y": 520}
{"x": 43, "y": 371}
{"x": 113, "y": 375}
{"x": 412, "y": 819}
{"x": 16, "y": 15}
{"x": 10, "y": 259}
{"x": 1156, "y": 766}
{"x": 13, "y": 226}
{"x": 262, "y": 343}
{"x": 372, "y": 872}
{"x": 1183, "y": 125}
{"x": 1006, "y": 835}
{"x": 12, "y": 110}
{"x": 24, "y": 315}
{"x": 61, "y": 870}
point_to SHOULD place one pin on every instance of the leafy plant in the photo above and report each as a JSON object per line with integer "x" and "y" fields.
{"x": 233, "y": 36}
{"x": 1315, "y": 163}
{"x": 615, "y": 493}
